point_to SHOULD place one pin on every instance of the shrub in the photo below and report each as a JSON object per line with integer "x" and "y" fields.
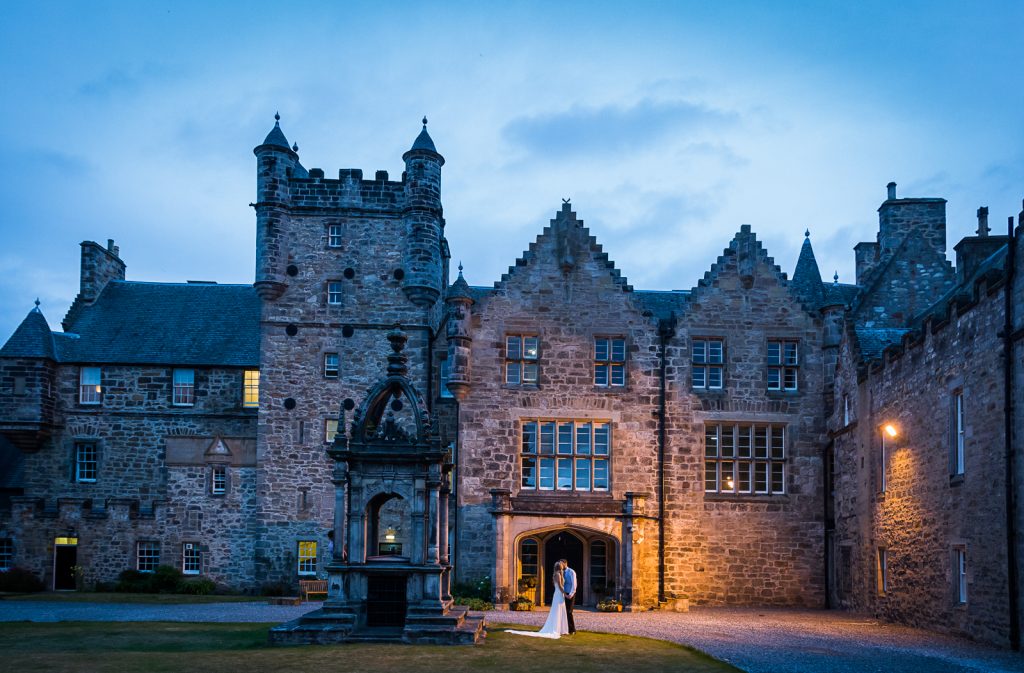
{"x": 473, "y": 603}
{"x": 197, "y": 587}
{"x": 20, "y": 580}
{"x": 480, "y": 588}
{"x": 165, "y": 580}
{"x": 279, "y": 588}
{"x": 132, "y": 581}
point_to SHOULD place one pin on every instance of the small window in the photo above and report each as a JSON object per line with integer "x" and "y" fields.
{"x": 884, "y": 451}
{"x": 89, "y": 388}
{"x": 184, "y": 392}
{"x": 957, "y": 445}
{"x": 528, "y": 558}
{"x": 960, "y": 574}
{"x": 446, "y": 371}
{"x": 334, "y": 293}
{"x": 6, "y": 553}
{"x": 882, "y": 571}
{"x": 521, "y": 355}
{"x": 783, "y": 365}
{"x": 331, "y": 365}
{"x": 846, "y": 410}
{"x": 334, "y": 236}
{"x": 191, "y": 558}
{"x": 147, "y": 556}
{"x": 251, "y": 389}
{"x": 707, "y": 364}
{"x": 219, "y": 480}
{"x": 609, "y": 362}
{"x": 330, "y": 429}
{"x": 86, "y": 462}
{"x": 307, "y": 557}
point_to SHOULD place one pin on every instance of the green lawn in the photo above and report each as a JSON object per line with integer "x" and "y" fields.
{"x": 120, "y": 647}
{"x": 161, "y": 599}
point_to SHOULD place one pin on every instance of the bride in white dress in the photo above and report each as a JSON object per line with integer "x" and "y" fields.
{"x": 557, "y": 623}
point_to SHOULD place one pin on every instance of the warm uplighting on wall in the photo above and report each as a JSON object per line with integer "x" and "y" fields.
{"x": 389, "y": 535}
{"x": 891, "y": 430}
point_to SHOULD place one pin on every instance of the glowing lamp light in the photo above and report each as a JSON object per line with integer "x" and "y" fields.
{"x": 389, "y": 535}
{"x": 729, "y": 484}
{"x": 891, "y": 430}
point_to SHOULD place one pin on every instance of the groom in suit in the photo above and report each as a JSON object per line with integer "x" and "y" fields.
{"x": 569, "y": 588}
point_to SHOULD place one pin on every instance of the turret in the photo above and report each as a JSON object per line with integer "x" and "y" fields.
{"x": 460, "y": 315}
{"x": 275, "y": 164}
{"x": 28, "y": 398}
{"x": 424, "y": 221}
{"x": 806, "y": 283}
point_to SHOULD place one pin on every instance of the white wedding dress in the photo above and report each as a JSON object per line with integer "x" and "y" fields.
{"x": 557, "y": 623}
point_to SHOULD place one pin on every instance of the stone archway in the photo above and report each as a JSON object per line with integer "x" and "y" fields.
{"x": 563, "y": 544}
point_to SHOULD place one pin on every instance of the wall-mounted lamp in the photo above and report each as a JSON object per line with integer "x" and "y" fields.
{"x": 891, "y": 430}
{"x": 389, "y": 535}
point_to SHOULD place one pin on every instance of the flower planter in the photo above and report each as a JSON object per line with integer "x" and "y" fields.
{"x": 520, "y": 607}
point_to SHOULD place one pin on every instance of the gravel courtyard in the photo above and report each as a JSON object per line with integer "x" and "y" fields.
{"x": 756, "y": 640}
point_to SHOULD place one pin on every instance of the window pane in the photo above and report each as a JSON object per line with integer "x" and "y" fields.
{"x": 90, "y": 376}
{"x": 600, "y": 375}
{"x": 601, "y": 350}
{"x": 547, "y": 473}
{"x": 711, "y": 441}
{"x": 582, "y": 474}
{"x": 529, "y": 373}
{"x": 778, "y": 478}
{"x": 512, "y": 372}
{"x": 714, "y": 377}
{"x": 699, "y": 380}
{"x": 331, "y": 364}
{"x": 727, "y": 479}
{"x": 618, "y": 350}
{"x": 761, "y": 477}
{"x": 530, "y": 348}
{"x": 513, "y": 348}
{"x": 778, "y": 443}
{"x": 699, "y": 352}
{"x": 446, "y": 370}
{"x": 760, "y": 442}
{"x": 547, "y": 437}
{"x": 529, "y": 473}
{"x": 790, "y": 379}
{"x": 743, "y": 475}
{"x": 600, "y": 475}
{"x": 743, "y": 441}
{"x": 183, "y": 388}
{"x": 791, "y": 353}
{"x": 583, "y": 438}
{"x": 773, "y": 378}
{"x": 184, "y": 376}
{"x": 331, "y": 429}
{"x": 618, "y": 375}
{"x": 565, "y": 438}
{"x": 602, "y": 438}
{"x": 710, "y": 476}
{"x": 598, "y": 564}
{"x": 774, "y": 353}
{"x": 565, "y": 474}
{"x": 148, "y": 556}
{"x": 251, "y": 388}
{"x": 219, "y": 483}
{"x": 530, "y": 437}
{"x": 715, "y": 352}
{"x": 334, "y": 293}
{"x": 727, "y": 441}
{"x": 528, "y": 557}
{"x": 307, "y": 557}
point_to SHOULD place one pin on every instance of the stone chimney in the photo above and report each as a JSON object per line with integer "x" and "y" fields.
{"x": 99, "y": 266}
{"x": 973, "y": 250}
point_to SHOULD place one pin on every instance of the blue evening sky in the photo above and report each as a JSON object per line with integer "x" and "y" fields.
{"x": 668, "y": 124}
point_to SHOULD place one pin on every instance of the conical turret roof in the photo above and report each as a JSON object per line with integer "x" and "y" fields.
{"x": 806, "y": 281}
{"x": 460, "y": 288}
{"x": 424, "y": 141}
{"x": 32, "y": 339}
{"x": 276, "y": 135}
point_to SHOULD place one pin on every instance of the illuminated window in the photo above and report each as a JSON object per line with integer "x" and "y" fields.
{"x": 334, "y": 292}
{"x": 219, "y": 480}
{"x": 882, "y": 571}
{"x": 528, "y": 558}
{"x": 744, "y": 458}
{"x": 884, "y": 451}
{"x": 609, "y": 362}
{"x": 6, "y": 553}
{"x": 960, "y": 574}
{"x": 956, "y": 462}
{"x": 565, "y": 455}
{"x": 331, "y": 365}
{"x": 446, "y": 370}
{"x": 184, "y": 387}
{"x": 147, "y": 556}
{"x": 307, "y": 557}
{"x": 89, "y": 388}
{"x": 334, "y": 236}
{"x": 251, "y": 388}
{"x": 330, "y": 429}
{"x": 707, "y": 364}
{"x": 191, "y": 558}
{"x": 521, "y": 355}
{"x": 86, "y": 461}
{"x": 783, "y": 365}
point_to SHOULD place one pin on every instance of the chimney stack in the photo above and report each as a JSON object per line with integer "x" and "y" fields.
{"x": 892, "y": 190}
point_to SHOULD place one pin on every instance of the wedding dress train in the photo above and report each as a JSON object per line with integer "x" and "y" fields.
{"x": 557, "y": 623}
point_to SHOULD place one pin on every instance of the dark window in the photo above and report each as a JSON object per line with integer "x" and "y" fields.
{"x": 609, "y": 362}
{"x": 707, "y": 363}
{"x": 521, "y": 356}
{"x": 744, "y": 458}
{"x": 783, "y": 364}
{"x": 86, "y": 461}
{"x": 331, "y": 365}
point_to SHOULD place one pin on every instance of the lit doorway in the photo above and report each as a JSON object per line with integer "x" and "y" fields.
{"x": 65, "y": 559}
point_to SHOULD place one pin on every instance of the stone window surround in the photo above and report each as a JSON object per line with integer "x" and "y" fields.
{"x": 607, "y": 458}
{"x": 76, "y": 459}
{"x": 783, "y": 339}
{"x": 91, "y": 393}
{"x": 191, "y": 558}
{"x": 707, "y": 335}
{"x": 753, "y": 495}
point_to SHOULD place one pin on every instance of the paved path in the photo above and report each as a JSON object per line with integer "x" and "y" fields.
{"x": 756, "y": 640}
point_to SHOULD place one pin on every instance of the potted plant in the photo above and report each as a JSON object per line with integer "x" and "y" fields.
{"x": 527, "y": 585}
{"x": 521, "y": 604}
{"x": 609, "y": 605}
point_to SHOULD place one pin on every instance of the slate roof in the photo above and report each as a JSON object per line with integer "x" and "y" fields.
{"x": 276, "y": 137}
{"x": 32, "y": 339}
{"x": 840, "y": 293}
{"x": 806, "y": 282}
{"x": 662, "y": 303}
{"x": 994, "y": 264}
{"x": 873, "y": 340}
{"x": 166, "y": 323}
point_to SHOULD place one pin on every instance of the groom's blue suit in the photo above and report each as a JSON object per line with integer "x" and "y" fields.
{"x": 569, "y": 588}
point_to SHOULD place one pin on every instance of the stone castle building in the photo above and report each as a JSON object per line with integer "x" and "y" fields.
{"x": 758, "y": 440}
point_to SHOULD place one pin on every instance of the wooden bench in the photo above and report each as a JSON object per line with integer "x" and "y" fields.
{"x": 307, "y": 587}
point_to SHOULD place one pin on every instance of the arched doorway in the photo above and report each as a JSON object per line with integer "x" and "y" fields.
{"x": 562, "y": 544}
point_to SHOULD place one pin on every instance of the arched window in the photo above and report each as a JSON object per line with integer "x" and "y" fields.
{"x": 528, "y": 550}
{"x": 598, "y": 565}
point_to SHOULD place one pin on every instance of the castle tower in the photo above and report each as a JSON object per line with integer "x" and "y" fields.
{"x": 460, "y": 316}
{"x": 424, "y": 220}
{"x": 275, "y": 164}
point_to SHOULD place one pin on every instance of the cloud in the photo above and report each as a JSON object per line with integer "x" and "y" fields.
{"x": 117, "y": 81}
{"x": 586, "y": 130}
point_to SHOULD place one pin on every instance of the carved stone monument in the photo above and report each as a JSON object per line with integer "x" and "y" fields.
{"x": 390, "y": 576}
